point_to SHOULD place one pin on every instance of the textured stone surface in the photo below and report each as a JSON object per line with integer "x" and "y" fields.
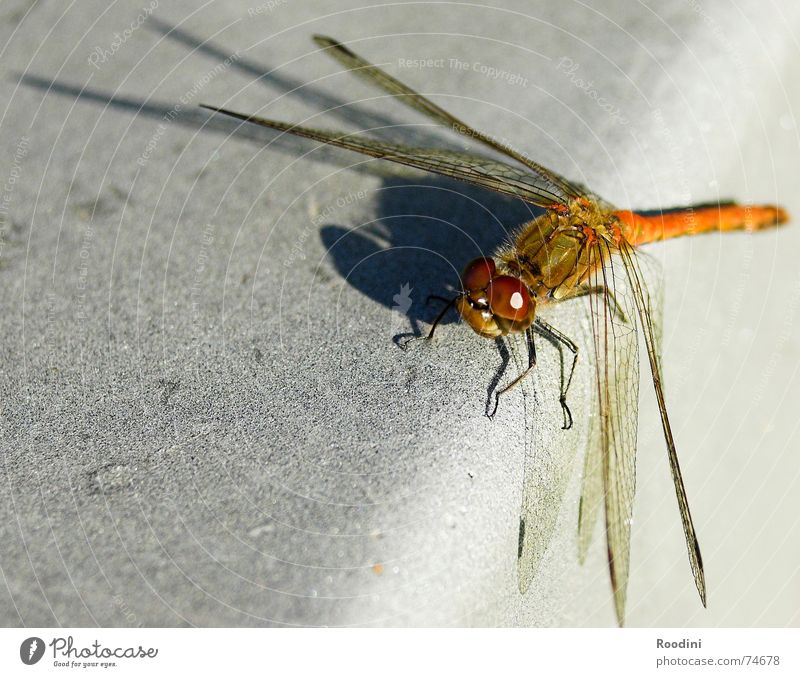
{"x": 205, "y": 419}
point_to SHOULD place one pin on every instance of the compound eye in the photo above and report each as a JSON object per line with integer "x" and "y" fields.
{"x": 477, "y": 274}
{"x": 508, "y": 297}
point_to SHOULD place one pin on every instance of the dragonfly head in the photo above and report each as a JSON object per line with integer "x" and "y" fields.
{"x": 494, "y": 305}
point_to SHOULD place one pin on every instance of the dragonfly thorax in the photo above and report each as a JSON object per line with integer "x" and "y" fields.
{"x": 556, "y": 253}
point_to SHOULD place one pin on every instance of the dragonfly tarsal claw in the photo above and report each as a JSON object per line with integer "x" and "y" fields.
{"x": 567, "y": 413}
{"x": 404, "y": 340}
{"x": 490, "y": 414}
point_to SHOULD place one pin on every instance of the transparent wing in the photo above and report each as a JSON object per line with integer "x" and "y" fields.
{"x": 652, "y": 339}
{"x": 381, "y": 79}
{"x": 549, "y": 452}
{"x": 611, "y": 463}
{"x": 652, "y": 278}
{"x": 476, "y": 169}
{"x": 592, "y": 484}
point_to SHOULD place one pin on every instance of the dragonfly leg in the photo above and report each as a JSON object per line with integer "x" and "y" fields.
{"x": 560, "y": 341}
{"x": 439, "y": 318}
{"x": 505, "y": 356}
{"x": 436, "y": 297}
{"x": 531, "y": 365}
{"x": 605, "y": 291}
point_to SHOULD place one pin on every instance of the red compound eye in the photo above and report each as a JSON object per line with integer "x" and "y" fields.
{"x": 477, "y": 274}
{"x": 508, "y": 297}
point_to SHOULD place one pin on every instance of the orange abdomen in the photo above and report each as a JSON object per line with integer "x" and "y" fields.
{"x": 642, "y": 228}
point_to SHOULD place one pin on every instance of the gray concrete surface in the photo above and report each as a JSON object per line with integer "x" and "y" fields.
{"x": 205, "y": 419}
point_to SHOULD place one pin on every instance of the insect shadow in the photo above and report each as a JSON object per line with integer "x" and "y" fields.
{"x": 424, "y": 232}
{"x": 426, "y": 228}
{"x": 409, "y": 257}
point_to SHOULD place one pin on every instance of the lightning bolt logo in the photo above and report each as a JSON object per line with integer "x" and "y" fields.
{"x": 403, "y": 299}
{"x": 31, "y": 650}
{"x": 402, "y": 304}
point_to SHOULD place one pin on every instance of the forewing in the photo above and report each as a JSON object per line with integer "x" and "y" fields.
{"x": 413, "y": 99}
{"x": 613, "y": 456}
{"x": 475, "y": 169}
{"x": 644, "y": 308}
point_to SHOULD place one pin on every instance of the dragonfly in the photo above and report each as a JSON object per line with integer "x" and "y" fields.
{"x": 580, "y": 246}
